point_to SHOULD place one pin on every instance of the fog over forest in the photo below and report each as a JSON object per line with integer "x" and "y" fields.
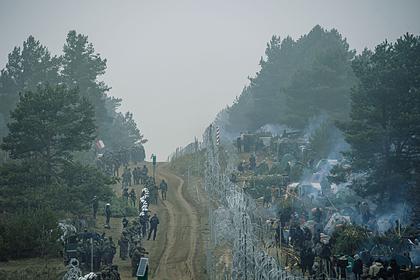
{"x": 177, "y": 63}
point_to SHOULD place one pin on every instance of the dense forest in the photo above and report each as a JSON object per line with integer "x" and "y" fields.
{"x": 62, "y": 138}
{"x": 313, "y": 72}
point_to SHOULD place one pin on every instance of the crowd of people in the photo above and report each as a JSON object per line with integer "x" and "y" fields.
{"x": 135, "y": 231}
{"x": 95, "y": 251}
{"x": 306, "y": 225}
{"x": 91, "y": 249}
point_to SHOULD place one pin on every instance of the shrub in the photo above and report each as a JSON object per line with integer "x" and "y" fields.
{"x": 28, "y": 233}
{"x": 348, "y": 239}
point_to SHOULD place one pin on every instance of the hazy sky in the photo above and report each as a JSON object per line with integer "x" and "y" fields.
{"x": 177, "y": 63}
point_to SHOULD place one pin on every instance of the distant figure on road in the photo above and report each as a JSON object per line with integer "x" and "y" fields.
{"x": 154, "y": 193}
{"x": 154, "y": 221}
{"x": 239, "y": 144}
{"x": 107, "y": 214}
{"x": 144, "y": 172}
{"x": 163, "y": 189}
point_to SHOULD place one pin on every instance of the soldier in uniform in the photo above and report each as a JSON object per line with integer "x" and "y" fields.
{"x": 109, "y": 251}
{"x": 97, "y": 255}
{"x": 154, "y": 221}
{"x": 123, "y": 242}
{"x": 95, "y": 205}
{"x": 163, "y": 189}
{"x": 137, "y": 254}
{"x": 144, "y": 219}
{"x": 107, "y": 214}
{"x": 154, "y": 194}
{"x": 133, "y": 198}
{"x": 125, "y": 195}
{"x": 144, "y": 172}
{"x": 129, "y": 176}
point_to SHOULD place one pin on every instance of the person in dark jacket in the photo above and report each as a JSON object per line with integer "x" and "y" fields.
{"x": 163, "y": 189}
{"x": 123, "y": 242}
{"x": 95, "y": 205}
{"x": 357, "y": 268}
{"x": 107, "y": 214}
{"x": 395, "y": 269}
{"x": 154, "y": 221}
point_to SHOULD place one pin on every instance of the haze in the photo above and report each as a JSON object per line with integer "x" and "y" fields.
{"x": 177, "y": 63}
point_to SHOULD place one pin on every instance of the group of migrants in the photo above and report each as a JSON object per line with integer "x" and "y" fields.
{"x": 307, "y": 225}
{"x": 309, "y": 237}
{"x": 252, "y": 164}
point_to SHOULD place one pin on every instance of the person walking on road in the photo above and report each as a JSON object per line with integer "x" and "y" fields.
{"x": 163, "y": 188}
{"x": 154, "y": 221}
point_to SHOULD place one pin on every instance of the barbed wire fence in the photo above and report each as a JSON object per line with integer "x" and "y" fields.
{"x": 233, "y": 224}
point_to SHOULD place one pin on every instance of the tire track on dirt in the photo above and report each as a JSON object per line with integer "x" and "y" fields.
{"x": 177, "y": 260}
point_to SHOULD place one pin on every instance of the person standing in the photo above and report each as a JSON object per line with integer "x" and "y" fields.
{"x": 107, "y": 214}
{"x": 95, "y": 205}
{"x": 125, "y": 195}
{"x": 109, "y": 251}
{"x": 252, "y": 163}
{"x": 163, "y": 188}
{"x": 154, "y": 194}
{"x": 124, "y": 222}
{"x": 144, "y": 172}
{"x": 123, "y": 242}
{"x": 239, "y": 144}
{"x": 154, "y": 221}
{"x": 129, "y": 176}
{"x": 133, "y": 198}
{"x": 137, "y": 254}
{"x": 357, "y": 268}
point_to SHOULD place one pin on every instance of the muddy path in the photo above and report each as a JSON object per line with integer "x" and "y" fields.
{"x": 178, "y": 251}
{"x": 182, "y": 232}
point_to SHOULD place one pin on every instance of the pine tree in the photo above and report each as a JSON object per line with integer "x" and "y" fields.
{"x": 384, "y": 129}
{"x": 27, "y": 67}
{"x": 48, "y": 125}
{"x": 82, "y": 68}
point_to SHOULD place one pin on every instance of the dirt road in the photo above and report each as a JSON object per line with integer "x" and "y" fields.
{"x": 181, "y": 232}
{"x": 178, "y": 251}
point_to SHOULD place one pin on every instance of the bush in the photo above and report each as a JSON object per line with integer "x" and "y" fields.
{"x": 28, "y": 233}
{"x": 348, "y": 239}
{"x": 72, "y": 191}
